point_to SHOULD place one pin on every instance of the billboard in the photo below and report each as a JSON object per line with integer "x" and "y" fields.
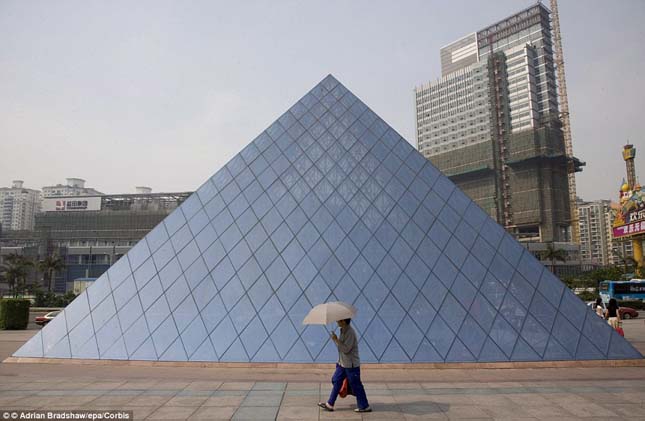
{"x": 75, "y": 204}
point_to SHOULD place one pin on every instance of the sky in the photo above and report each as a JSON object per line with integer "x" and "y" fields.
{"x": 163, "y": 93}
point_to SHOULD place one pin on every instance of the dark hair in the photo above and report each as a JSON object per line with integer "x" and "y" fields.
{"x": 348, "y": 321}
{"x": 613, "y": 304}
{"x": 598, "y": 302}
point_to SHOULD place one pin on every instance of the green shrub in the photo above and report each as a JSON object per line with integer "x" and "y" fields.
{"x": 588, "y": 296}
{"x": 14, "y": 313}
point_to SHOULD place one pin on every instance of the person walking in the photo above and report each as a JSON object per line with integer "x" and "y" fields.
{"x": 347, "y": 367}
{"x": 613, "y": 315}
{"x": 598, "y": 307}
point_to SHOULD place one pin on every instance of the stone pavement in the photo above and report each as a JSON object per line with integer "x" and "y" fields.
{"x": 213, "y": 400}
{"x": 291, "y": 394}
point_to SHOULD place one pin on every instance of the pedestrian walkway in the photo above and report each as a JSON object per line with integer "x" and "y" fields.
{"x": 178, "y": 400}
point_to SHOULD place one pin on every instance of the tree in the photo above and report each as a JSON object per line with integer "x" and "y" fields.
{"x": 15, "y": 271}
{"x": 552, "y": 254}
{"x": 49, "y": 266}
{"x": 626, "y": 261}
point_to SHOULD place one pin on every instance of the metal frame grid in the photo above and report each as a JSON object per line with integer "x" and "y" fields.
{"x": 329, "y": 203}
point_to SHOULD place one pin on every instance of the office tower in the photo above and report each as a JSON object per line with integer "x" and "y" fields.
{"x": 595, "y": 232}
{"x": 491, "y": 124}
{"x": 19, "y": 205}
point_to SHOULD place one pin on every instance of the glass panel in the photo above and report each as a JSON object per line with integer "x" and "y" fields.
{"x": 271, "y": 314}
{"x": 249, "y": 273}
{"x": 177, "y": 292}
{"x": 277, "y": 272}
{"x": 188, "y": 255}
{"x": 239, "y": 254}
{"x": 375, "y": 291}
{"x": 165, "y": 335}
{"x": 458, "y": 352}
{"x": 253, "y": 337}
{"x": 440, "y": 336}
{"x": 157, "y": 237}
{"x": 260, "y": 292}
{"x": 346, "y": 253}
{"x": 185, "y": 313}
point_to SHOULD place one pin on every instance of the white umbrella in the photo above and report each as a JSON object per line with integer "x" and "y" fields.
{"x": 326, "y": 313}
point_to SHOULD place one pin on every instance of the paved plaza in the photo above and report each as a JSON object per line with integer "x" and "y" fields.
{"x": 291, "y": 394}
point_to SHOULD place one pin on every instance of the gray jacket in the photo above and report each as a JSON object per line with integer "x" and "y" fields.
{"x": 348, "y": 348}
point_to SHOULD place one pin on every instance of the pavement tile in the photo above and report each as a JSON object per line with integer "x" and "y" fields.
{"x": 230, "y": 393}
{"x": 146, "y": 400}
{"x": 224, "y": 401}
{"x": 423, "y": 411}
{"x": 382, "y": 399}
{"x": 206, "y": 393}
{"x": 463, "y": 411}
{"x": 66, "y": 385}
{"x": 550, "y": 411}
{"x": 139, "y": 412}
{"x": 104, "y": 385}
{"x": 30, "y": 386}
{"x": 16, "y": 400}
{"x": 510, "y": 411}
{"x": 588, "y": 409}
{"x": 269, "y": 386}
{"x": 400, "y": 386}
{"x": 339, "y": 414}
{"x": 163, "y": 385}
{"x": 306, "y": 400}
{"x": 627, "y": 410}
{"x": 193, "y": 401}
{"x": 172, "y": 413}
{"x": 112, "y": 400}
{"x": 606, "y": 397}
{"x": 297, "y": 386}
{"x": 370, "y": 385}
{"x": 214, "y": 413}
{"x": 159, "y": 392}
{"x": 529, "y": 399}
{"x": 309, "y": 412}
{"x": 255, "y": 413}
{"x": 262, "y": 401}
{"x": 72, "y": 402}
{"x": 236, "y": 386}
{"x": 299, "y": 393}
{"x": 203, "y": 385}
{"x": 124, "y": 392}
{"x": 492, "y": 400}
{"x": 410, "y": 398}
{"x": 138, "y": 384}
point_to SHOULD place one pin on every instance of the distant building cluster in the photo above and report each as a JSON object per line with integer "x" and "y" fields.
{"x": 88, "y": 229}
{"x": 597, "y": 245}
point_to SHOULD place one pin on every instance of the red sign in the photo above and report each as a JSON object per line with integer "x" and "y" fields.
{"x": 629, "y": 229}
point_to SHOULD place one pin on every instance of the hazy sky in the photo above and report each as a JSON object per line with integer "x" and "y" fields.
{"x": 163, "y": 93}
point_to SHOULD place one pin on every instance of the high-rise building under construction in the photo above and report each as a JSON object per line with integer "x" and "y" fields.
{"x": 491, "y": 123}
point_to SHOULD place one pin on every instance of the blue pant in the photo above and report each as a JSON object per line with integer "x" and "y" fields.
{"x": 353, "y": 376}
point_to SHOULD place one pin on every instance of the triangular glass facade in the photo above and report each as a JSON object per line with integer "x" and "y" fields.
{"x": 329, "y": 203}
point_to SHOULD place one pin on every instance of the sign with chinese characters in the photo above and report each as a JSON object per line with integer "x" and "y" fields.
{"x": 629, "y": 229}
{"x": 58, "y": 204}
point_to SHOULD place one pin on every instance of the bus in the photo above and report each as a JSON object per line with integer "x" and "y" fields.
{"x": 622, "y": 290}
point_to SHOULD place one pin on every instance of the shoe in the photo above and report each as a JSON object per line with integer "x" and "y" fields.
{"x": 368, "y": 409}
{"x": 326, "y": 406}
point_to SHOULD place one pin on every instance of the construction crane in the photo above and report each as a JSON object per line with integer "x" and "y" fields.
{"x": 566, "y": 124}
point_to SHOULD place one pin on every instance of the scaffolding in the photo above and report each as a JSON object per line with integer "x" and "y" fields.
{"x": 566, "y": 124}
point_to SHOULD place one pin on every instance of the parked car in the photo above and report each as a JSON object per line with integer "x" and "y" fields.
{"x": 625, "y": 312}
{"x": 43, "y": 320}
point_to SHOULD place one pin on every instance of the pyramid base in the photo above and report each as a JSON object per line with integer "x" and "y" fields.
{"x": 315, "y": 366}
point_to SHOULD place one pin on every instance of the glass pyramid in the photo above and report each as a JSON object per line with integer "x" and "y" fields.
{"x": 329, "y": 203}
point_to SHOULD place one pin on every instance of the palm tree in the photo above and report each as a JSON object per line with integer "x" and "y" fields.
{"x": 49, "y": 266}
{"x": 15, "y": 271}
{"x": 553, "y": 254}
